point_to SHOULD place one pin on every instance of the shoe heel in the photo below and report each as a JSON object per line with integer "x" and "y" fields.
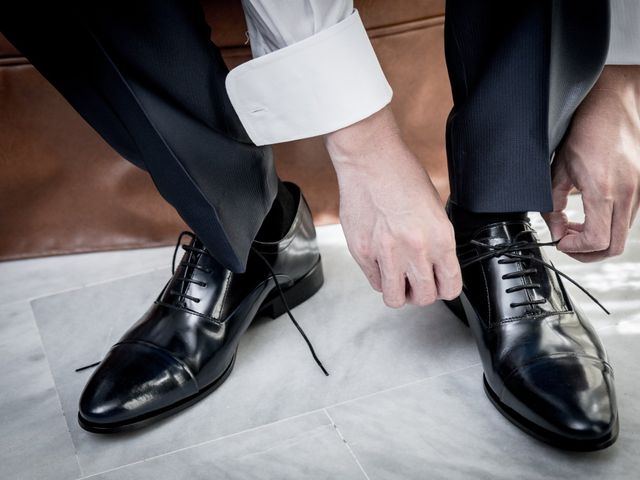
{"x": 297, "y": 293}
{"x": 457, "y": 308}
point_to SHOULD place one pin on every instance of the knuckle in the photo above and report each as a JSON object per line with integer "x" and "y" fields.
{"x": 450, "y": 293}
{"x": 616, "y": 251}
{"x": 393, "y": 302}
{"x": 364, "y": 249}
{"x": 366, "y": 257}
{"x": 452, "y": 274}
{"x": 416, "y": 242}
{"x": 386, "y": 244}
{"x": 627, "y": 189}
{"x": 361, "y": 248}
{"x": 374, "y": 282}
{"x": 427, "y": 300}
{"x": 449, "y": 296}
{"x": 444, "y": 243}
{"x": 452, "y": 288}
{"x": 451, "y": 233}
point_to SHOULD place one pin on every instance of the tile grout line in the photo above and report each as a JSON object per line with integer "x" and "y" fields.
{"x": 204, "y": 442}
{"x": 293, "y": 417}
{"x": 346, "y": 444}
{"x": 397, "y": 387}
{"x": 80, "y": 286}
{"x": 55, "y": 387}
{"x": 282, "y": 420}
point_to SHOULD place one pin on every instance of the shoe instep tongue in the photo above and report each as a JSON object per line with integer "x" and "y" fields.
{"x": 505, "y": 232}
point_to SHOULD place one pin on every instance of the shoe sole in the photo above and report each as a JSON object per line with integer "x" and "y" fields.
{"x": 158, "y": 415}
{"x": 546, "y": 436}
{"x": 526, "y": 425}
{"x": 272, "y": 306}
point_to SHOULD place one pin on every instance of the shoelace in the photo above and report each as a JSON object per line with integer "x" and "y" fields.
{"x": 509, "y": 250}
{"x": 185, "y": 281}
{"x": 288, "y": 310}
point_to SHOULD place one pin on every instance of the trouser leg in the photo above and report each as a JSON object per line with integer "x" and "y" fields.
{"x": 518, "y": 71}
{"x": 147, "y": 78}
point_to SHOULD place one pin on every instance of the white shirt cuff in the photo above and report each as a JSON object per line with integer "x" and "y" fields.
{"x": 624, "y": 46}
{"x": 321, "y": 84}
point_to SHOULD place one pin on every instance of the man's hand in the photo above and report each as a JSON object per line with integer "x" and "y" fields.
{"x": 601, "y": 158}
{"x": 395, "y": 226}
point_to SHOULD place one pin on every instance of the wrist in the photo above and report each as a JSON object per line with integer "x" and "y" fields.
{"x": 354, "y": 146}
{"x": 624, "y": 80}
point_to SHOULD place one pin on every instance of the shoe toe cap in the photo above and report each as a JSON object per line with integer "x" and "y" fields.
{"x": 133, "y": 381}
{"x": 572, "y": 396}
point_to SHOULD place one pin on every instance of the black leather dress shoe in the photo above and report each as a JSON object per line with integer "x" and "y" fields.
{"x": 545, "y": 368}
{"x": 184, "y": 346}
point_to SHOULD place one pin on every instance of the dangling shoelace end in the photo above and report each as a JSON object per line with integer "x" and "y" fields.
{"x": 86, "y": 367}
{"x": 291, "y": 317}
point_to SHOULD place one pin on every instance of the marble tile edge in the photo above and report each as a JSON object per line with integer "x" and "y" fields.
{"x": 98, "y": 283}
{"x": 206, "y": 442}
{"x": 346, "y": 444}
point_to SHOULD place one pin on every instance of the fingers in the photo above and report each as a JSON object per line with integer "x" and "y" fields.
{"x": 421, "y": 286}
{"x": 634, "y": 208}
{"x": 422, "y": 289}
{"x": 448, "y": 277}
{"x": 394, "y": 287}
{"x": 557, "y": 222}
{"x": 621, "y": 220}
{"x": 557, "y": 219}
{"x": 421, "y": 282}
{"x": 368, "y": 265}
{"x": 595, "y": 233}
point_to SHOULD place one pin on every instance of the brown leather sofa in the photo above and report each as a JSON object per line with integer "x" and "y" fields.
{"x": 63, "y": 190}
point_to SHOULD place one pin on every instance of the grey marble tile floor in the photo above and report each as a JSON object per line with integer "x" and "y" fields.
{"x": 404, "y": 399}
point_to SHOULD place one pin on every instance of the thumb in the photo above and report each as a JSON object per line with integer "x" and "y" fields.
{"x": 557, "y": 219}
{"x": 558, "y": 224}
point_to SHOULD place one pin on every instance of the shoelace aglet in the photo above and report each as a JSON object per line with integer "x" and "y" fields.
{"x": 86, "y": 367}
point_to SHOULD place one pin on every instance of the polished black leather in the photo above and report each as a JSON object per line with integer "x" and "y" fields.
{"x": 185, "y": 344}
{"x": 544, "y": 365}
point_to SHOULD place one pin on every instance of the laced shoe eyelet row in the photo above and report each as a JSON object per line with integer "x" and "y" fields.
{"x": 512, "y": 250}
